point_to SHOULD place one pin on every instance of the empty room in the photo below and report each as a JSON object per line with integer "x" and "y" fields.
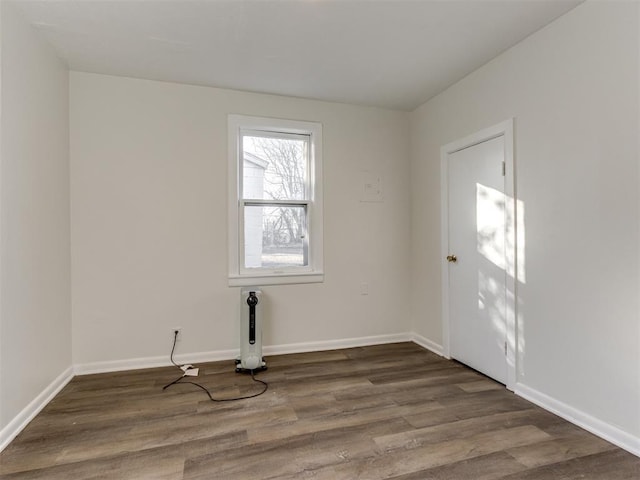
{"x": 328, "y": 239}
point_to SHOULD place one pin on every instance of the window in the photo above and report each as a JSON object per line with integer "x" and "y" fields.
{"x": 275, "y": 201}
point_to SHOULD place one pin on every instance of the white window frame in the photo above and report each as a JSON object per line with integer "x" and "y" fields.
{"x": 313, "y": 271}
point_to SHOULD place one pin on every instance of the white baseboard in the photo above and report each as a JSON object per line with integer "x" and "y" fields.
{"x": 15, "y": 426}
{"x": 426, "y": 343}
{"x": 602, "y": 429}
{"x": 153, "y": 362}
{"x": 336, "y": 344}
{"x": 217, "y": 355}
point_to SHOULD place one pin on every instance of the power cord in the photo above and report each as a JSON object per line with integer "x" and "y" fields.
{"x": 173, "y": 348}
{"x": 178, "y": 380}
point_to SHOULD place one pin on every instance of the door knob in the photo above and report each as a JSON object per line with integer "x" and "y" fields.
{"x": 452, "y": 258}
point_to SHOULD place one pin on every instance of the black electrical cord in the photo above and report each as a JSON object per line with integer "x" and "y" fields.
{"x": 173, "y": 349}
{"x": 178, "y": 381}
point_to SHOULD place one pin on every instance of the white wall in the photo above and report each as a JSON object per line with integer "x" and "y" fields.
{"x": 573, "y": 90}
{"x": 35, "y": 298}
{"x": 149, "y": 215}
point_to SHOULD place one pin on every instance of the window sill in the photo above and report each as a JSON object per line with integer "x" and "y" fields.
{"x": 271, "y": 279}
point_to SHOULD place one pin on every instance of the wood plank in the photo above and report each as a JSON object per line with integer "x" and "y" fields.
{"x": 615, "y": 464}
{"x": 485, "y": 467}
{"x": 403, "y": 462}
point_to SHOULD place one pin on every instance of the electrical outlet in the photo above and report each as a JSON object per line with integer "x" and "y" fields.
{"x": 173, "y": 332}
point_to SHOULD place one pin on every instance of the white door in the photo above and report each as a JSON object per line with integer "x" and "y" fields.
{"x": 477, "y": 274}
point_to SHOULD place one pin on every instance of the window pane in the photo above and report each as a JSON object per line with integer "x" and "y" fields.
{"x": 274, "y": 168}
{"x": 275, "y": 236}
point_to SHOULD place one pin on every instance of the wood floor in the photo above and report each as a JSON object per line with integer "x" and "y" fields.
{"x": 383, "y": 412}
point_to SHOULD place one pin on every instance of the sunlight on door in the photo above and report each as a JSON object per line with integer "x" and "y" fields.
{"x": 495, "y": 240}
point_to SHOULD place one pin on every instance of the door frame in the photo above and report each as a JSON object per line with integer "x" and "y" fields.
{"x": 503, "y": 129}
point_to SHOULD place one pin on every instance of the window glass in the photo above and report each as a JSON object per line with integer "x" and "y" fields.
{"x": 275, "y": 168}
{"x": 275, "y": 237}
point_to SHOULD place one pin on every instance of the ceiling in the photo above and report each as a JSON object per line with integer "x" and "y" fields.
{"x": 385, "y": 53}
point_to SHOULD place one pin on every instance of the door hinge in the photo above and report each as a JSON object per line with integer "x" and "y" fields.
{"x": 505, "y": 348}
{"x": 504, "y": 169}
